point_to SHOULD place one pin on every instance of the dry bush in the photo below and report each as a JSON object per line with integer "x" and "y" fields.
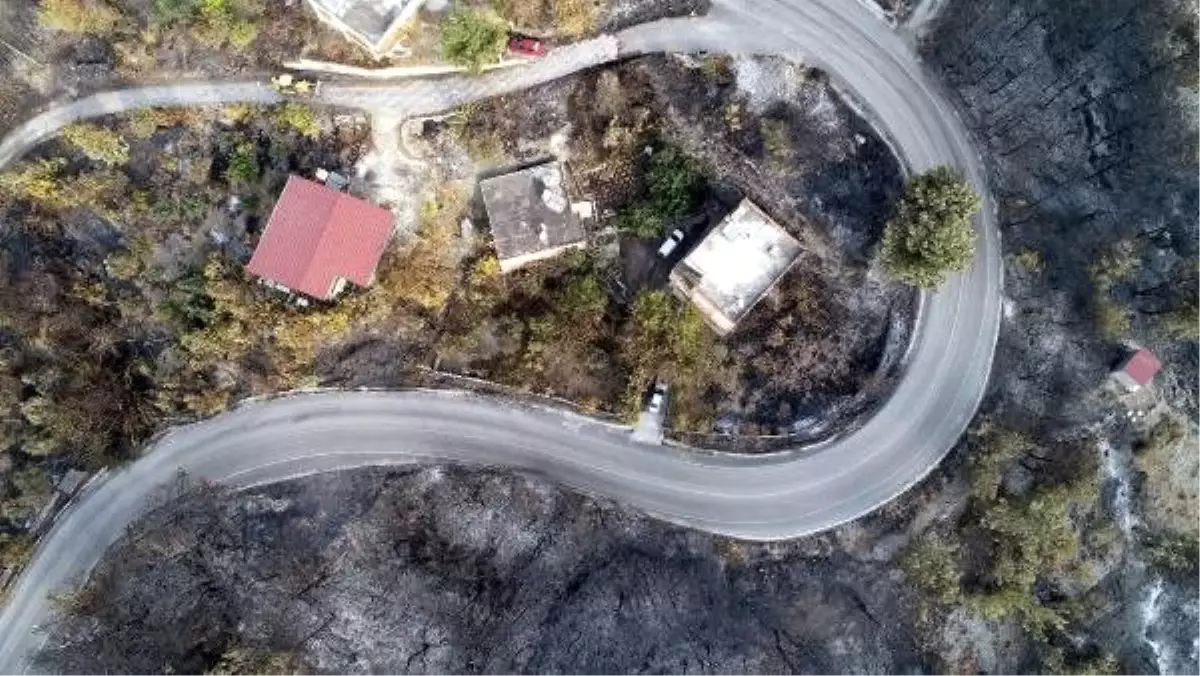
{"x": 79, "y": 16}
{"x": 575, "y": 18}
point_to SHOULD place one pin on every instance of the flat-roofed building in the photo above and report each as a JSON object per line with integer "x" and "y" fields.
{"x": 734, "y": 266}
{"x": 531, "y": 215}
{"x": 374, "y": 24}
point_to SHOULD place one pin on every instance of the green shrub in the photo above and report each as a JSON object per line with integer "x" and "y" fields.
{"x": 472, "y": 38}
{"x": 224, "y": 22}
{"x": 1174, "y": 554}
{"x": 932, "y": 565}
{"x": 930, "y": 234}
{"x": 1182, "y": 323}
{"x": 97, "y": 143}
{"x": 672, "y": 190}
{"x": 243, "y": 165}
{"x": 297, "y": 116}
{"x": 1112, "y": 319}
{"x": 174, "y": 11}
{"x": 37, "y": 182}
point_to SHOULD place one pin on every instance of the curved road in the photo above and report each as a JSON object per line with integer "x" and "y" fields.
{"x": 761, "y": 498}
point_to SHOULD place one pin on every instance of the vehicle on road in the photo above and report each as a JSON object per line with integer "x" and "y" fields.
{"x": 524, "y": 45}
{"x": 673, "y": 241}
{"x": 658, "y": 399}
{"x": 289, "y": 84}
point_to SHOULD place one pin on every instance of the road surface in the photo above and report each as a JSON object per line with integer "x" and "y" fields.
{"x": 759, "y": 497}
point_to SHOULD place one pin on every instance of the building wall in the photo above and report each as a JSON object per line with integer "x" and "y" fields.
{"x": 385, "y": 44}
{"x": 1126, "y": 381}
{"x": 510, "y": 264}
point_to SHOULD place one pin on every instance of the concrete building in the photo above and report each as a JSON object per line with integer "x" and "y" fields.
{"x": 734, "y": 266}
{"x": 531, "y": 215}
{"x": 374, "y": 24}
{"x": 1137, "y": 370}
{"x": 318, "y": 239}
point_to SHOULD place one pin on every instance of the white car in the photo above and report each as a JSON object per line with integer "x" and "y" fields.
{"x": 669, "y": 246}
{"x": 657, "y": 399}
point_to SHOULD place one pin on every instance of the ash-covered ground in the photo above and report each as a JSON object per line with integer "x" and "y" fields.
{"x": 446, "y": 570}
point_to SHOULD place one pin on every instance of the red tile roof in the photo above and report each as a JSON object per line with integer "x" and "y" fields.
{"x": 1141, "y": 366}
{"x": 316, "y": 235}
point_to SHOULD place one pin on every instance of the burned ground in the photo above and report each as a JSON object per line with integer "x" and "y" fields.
{"x": 452, "y": 571}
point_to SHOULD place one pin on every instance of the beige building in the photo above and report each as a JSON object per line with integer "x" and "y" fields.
{"x": 374, "y": 24}
{"x": 531, "y": 215}
{"x": 734, "y": 266}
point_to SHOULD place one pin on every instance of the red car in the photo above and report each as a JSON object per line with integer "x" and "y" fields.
{"x": 526, "y": 46}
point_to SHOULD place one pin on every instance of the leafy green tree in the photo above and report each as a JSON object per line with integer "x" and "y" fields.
{"x": 930, "y": 235}
{"x": 472, "y": 38}
{"x": 97, "y": 143}
{"x": 672, "y": 188}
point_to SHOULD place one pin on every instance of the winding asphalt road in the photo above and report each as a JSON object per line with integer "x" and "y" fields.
{"x": 762, "y": 498}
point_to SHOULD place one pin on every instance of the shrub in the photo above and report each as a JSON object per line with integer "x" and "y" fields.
{"x": 299, "y": 117}
{"x": 666, "y": 338}
{"x": 224, "y": 22}
{"x": 932, "y": 565}
{"x": 1174, "y": 554}
{"x": 573, "y": 18}
{"x": 243, "y": 165}
{"x": 672, "y": 187}
{"x": 1182, "y": 323}
{"x": 472, "y": 38}
{"x": 1112, "y": 319}
{"x": 174, "y": 11}
{"x": 1164, "y": 436}
{"x": 37, "y": 182}
{"x": 930, "y": 234}
{"x": 78, "y": 16}
{"x": 97, "y": 143}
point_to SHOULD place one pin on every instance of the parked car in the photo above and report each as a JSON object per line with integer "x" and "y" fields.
{"x": 526, "y": 46}
{"x": 673, "y": 241}
{"x": 657, "y": 399}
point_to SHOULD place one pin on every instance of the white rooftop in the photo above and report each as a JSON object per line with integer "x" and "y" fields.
{"x": 735, "y": 265}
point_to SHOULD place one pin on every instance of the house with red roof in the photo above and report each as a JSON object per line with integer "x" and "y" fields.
{"x": 1137, "y": 370}
{"x": 318, "y": 238}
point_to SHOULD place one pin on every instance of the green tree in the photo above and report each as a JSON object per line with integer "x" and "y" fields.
{"x": 930, "y": 234}
{"x": 97, "y": 143}
{"x": 472, "y": 38}
{"x": 672, "y": 188}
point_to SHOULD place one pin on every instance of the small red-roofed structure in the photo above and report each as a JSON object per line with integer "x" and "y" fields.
{"x": 317, "y": 239}
{"x": 1137, "y": 370}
